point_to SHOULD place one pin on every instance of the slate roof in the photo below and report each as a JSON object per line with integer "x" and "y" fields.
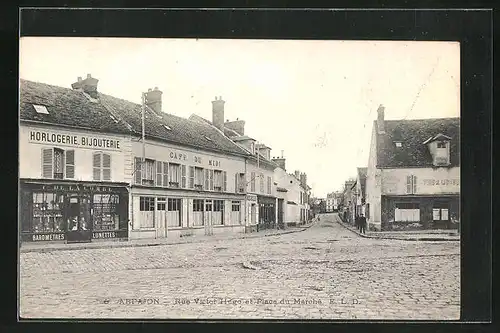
{"x": 412, "y": 134}
{"x": 180, "y": 130}
{"x": 236, "y": 137}
{"x": 65, "y": 107}
{"x": 72, "y": 108}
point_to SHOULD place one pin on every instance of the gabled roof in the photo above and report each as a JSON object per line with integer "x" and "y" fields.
{"x": 413, "y": 134}
{"x": 171, "y": 128}
{"x": 114, "y": 115}
{"x": 440, "y": 136}
{"x": 235, "y": 137}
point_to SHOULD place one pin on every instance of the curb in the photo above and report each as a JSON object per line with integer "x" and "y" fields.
{"x": 413, "y": 239}
{"x": 126, "y": 245}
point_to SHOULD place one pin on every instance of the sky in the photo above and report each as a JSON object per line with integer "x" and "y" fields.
{"x": 313, "y": 100}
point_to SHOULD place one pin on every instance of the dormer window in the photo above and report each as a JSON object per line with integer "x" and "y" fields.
{"x": 439, "y": 147}
{"x": 398, "y": 144}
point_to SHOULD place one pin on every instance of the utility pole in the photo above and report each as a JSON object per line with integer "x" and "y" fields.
{"x": 143, "y": 109}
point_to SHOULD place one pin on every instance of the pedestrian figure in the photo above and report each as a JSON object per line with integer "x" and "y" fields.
{"x": 356, "y": 223}
{"x": 362, "y": 224}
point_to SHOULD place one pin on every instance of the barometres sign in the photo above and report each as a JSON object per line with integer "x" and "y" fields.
{"x": 74, "y": 140}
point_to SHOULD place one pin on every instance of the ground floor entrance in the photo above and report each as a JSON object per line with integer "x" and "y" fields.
{"x": 173, "y": 213}
{"x": 267, "y": 212}
{"x": 73, "y": 211}
{"x": 420, "y": 212}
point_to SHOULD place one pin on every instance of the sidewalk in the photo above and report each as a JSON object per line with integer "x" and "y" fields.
{"x": 40, "y": 247}
{"x": 415, "y": 235}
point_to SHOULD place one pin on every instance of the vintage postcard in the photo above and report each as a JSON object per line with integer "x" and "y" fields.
{"x": 239, "y": 179}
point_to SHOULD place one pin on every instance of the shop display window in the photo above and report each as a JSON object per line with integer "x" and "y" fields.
{"x": 48, "y": 212}
{"x": 106, "y": 211}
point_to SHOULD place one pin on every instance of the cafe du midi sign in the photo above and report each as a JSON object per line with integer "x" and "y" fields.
{"x": 72, "y": 140}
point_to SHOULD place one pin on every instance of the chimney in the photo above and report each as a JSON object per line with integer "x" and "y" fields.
{"x": 237, "y": 125}
{"x": 218, "y": 113}
{"x": 303, "y": 179}
{"x": 297, "y": 174}
{"x": 153, "y": 99}
{"x": 380, "y": 119}
{"x": 88, "y": 86}
{"x": 280, "y": 162}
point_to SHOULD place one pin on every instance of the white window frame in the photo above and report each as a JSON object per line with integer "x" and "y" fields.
{"x": 411, "y": 184}
{"x": 174, "y": 175}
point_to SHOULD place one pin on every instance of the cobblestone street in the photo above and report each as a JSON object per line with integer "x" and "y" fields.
{"x": 324, "y": 272}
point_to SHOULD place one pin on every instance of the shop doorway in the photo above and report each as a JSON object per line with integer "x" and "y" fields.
{"x": 280, "y": 213}
{"x": 77, "y": 215}
{"x": 208, "y": 218}
{"x": 253, "y": 214}
{"x": 161, "y": 218}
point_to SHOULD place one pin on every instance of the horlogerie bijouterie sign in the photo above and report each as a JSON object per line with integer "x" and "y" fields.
{"x": 75, "y": 140}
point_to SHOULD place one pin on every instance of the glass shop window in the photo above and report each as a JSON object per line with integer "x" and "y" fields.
{"x": 48, "y": 212}
{"x": 197, "y": 205}
{"x": 106, "y": 211}
{"x": 235, "y": 206}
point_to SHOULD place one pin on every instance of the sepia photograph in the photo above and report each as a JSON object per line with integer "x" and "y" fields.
{"x": 164, "y": 178}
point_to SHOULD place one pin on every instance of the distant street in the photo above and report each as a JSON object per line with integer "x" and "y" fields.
{"x": 324, "y": 272}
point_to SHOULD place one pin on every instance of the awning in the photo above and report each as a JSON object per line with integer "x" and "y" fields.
{"x": 291, "y": 202}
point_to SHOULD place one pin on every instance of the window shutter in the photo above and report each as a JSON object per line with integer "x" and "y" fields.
{"x": 165, "y": 174}
{"x": 236, "y": 187}
{"x": 211, "y": 174}
{"x": 106, "y": 166}
{"x": 138, "y": 171}
{"x": 225, "y": 180}
{"x": 252, "y": 182}
{"x": 191, "y": 177}
{"x": 414, "y": 184}
{"x": 97, "y": 166}
{"x": 207, "y": 180}
{"x": 183, "y": 177}
{"x": 408, "y": 184}
{"x": 47, "y": 163}
{"x": 159, "y": 173}
{"x": 70, "y": 164}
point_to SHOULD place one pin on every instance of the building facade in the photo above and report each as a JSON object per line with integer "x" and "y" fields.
{"x": 73, "y": 166}
{"x": 413, "y": 176}
{"x": 188, "y": 177}
{"x": 333, "y": 202}
{"x": 348, "y": 201}
{"x": 360, "y": 192}
{"x": 96, "y": 167}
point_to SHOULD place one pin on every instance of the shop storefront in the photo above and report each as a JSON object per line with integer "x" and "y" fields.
{"x": 267, "y": 212}
{"x": 420, "y": 212}
{"x": 73, "y": 211}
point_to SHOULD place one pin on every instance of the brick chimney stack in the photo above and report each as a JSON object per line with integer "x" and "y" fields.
{"x": 88, "y": 86}
{"x": 218, "y": 113}
{"x": 303, "y": 179}
{"x": 280, "y": 161}
{"x": 380, "y": 119}
{"x": 153, "y": 99}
